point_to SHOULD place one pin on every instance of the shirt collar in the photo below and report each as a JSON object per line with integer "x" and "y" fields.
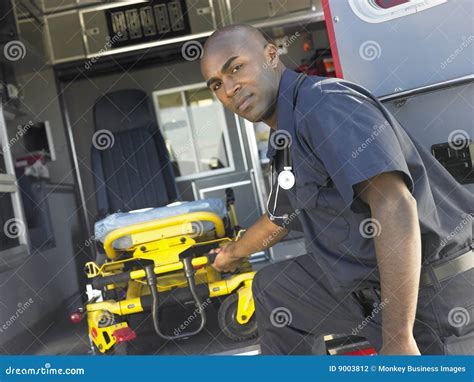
{"x": 284, "y": 106}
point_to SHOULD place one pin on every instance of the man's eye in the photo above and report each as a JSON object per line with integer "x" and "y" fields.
{"x": 236, "y": 68}
{"x": 216, "y": 86}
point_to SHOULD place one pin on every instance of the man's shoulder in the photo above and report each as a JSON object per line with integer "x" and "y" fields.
{"x": 328, "y": 93}
{"x": 317, "y": 93}
{"x": 314, "y": 86}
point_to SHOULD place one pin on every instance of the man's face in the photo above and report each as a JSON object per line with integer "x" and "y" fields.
{"x": 241, "y": 78}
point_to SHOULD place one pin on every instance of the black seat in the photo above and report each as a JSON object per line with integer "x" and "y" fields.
{"x": 135, "y": 171}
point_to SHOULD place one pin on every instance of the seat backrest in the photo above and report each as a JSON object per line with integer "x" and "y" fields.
{"x": 133, "y": 170}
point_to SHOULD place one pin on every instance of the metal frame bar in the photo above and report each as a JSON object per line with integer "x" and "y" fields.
{"x": 428, "y": 88}
{"x": 9, "y": 179}
{"x": 213, "y": 13}
{"x": 8, "y": 188}
{"x": 241, "y": 142}
{"x": 36, "y": 15}
{"x": 64, "y": 8}
{"x": 295, "y": 17}
{"x": 256, "y": 165}
{"x": 72, "y": 147}
{"x": 202, "y": 191}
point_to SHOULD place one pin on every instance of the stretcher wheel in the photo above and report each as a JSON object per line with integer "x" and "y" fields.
{"x": 228, "y": 323}
{"x": 120, "y": 349}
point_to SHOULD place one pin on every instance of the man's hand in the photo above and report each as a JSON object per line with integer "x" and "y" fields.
{"x": 226, "y": 261}
{"x": 400, "y": 347}
{"x": 255, "y": 239}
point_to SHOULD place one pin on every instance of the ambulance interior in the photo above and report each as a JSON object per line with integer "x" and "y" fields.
{"x": 88, "y": 76}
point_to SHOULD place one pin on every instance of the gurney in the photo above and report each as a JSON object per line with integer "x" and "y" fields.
{"x": 161, "y": 256}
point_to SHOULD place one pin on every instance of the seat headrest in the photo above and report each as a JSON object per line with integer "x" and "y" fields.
{"x": 123, "y": 110}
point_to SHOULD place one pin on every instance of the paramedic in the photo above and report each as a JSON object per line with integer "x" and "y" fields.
{"x": 388, "y": 231}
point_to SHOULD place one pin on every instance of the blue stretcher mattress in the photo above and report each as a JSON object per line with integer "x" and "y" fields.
{"x": 124, "y": 219}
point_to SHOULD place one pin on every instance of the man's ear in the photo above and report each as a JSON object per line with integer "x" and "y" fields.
{"x": 272, "y": 56}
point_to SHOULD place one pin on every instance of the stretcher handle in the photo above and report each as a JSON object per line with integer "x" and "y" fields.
{"x": 211, "y": 257}
{"x": 176, "y": 221}
{"x": 204, "y": 250}
{"x": 194, "y": 253}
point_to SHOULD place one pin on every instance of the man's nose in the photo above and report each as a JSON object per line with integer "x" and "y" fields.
{"x": 231, "y": 88}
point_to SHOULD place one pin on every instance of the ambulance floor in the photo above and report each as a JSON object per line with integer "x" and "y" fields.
{"x": 65, "y": 338}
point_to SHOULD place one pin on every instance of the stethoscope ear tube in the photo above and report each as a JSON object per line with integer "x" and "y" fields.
{"x": 286, "y": 178}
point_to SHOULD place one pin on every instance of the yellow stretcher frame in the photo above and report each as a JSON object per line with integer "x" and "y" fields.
{"x": 162, "y": 241}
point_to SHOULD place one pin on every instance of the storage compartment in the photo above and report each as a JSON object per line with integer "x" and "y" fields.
{"x": 250, "y": 10}
{"x": 64, "y": 37}
{"x": 145, "y": 24}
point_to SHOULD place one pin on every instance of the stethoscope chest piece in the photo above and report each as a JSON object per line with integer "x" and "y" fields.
{"x": 286, "y": 178}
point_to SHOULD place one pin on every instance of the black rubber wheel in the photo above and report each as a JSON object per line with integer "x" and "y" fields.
{"x": 120, "y": 349}
{"x": 226, "y": 317}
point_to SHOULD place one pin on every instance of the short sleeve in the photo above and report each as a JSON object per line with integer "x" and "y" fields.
{"x": 354, "y": 141}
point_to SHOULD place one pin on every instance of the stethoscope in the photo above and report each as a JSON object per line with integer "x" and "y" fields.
{"x": 286, "y": 178}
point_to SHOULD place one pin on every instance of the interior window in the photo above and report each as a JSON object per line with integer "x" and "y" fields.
{"x": 193, "y": 125}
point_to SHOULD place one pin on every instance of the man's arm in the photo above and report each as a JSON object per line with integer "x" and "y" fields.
{"x": 261, "y": 235}
{"x": 398, "y": 252}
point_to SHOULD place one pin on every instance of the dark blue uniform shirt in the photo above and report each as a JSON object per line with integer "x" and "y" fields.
{"x": 340, "y": 137}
